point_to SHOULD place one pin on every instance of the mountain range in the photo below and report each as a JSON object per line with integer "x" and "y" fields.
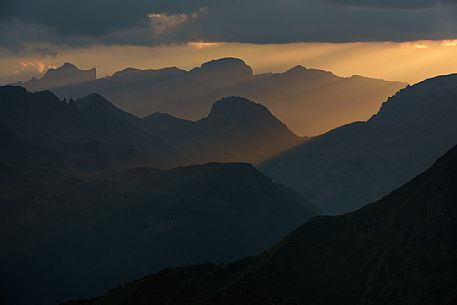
{"x": 93, "y": 196}
{"x": 359, "y": 163}
{"x": 309, "y": 101}
{"x": 236, "y": 130}
{"x": 69, "y": 237}
{"x": 399, "y": 250}
{"x": 81, "y": 195}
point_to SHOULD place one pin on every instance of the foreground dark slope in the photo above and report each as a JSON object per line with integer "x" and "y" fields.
{"x": 401, "y": 250}
{"x": 236, "y": 129}
{"x": 358, "y": 163}
{"x": 71, "y": 238}
{"x": 309, "y": 101}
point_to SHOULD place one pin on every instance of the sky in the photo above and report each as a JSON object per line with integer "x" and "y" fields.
{"x": 406, "y": 40}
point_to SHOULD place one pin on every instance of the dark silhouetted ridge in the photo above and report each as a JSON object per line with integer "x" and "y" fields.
{"x": 97, "y": 234}
{"x": 42, "y": 119}
{"x": 399, "y": 250}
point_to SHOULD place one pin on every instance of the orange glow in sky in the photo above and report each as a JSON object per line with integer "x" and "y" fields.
{"x": 410, "y": 62}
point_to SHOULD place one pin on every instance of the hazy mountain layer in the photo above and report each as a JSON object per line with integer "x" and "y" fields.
{"x": 309, "y": 101}
{"x": 236, "y": 130}
{"x": 359, "y": 163}
{"x": 66, "y": 75}
{"x": 399, "y": 250}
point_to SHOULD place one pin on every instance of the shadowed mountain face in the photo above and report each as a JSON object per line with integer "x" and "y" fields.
{"x": 400, "y": 250}
{"x": 66, "y": 75}
{"x": 235, "y": 129}
{"x": 359, "y": 163}
{"x": 16, "y": 151}
{"x": 309, "y": 101}
{"x": 42, "y": 119}
{"x": 71, "y": 238}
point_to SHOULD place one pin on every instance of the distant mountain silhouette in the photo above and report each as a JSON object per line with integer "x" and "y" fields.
{"x": 73, "y": 238}
{"x": 359, "y": 163}
{"x": 309, "y": 101}
{"x": 66, "y": 75}
{"x": 400, "y": 250}
{"x": 235, "y": 129}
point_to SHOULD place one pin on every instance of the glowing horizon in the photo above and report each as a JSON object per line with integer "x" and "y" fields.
{"x": 403, "y": 61}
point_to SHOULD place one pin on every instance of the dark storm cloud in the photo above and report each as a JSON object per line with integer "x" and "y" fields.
{"x": 398, "y": 4}
{"x": 45, "y": 52}
{"x": 149, "y": 22}
{"x": 5, "y": 9}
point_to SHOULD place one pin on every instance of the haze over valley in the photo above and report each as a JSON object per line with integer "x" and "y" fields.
{"x": 228, "y": 152}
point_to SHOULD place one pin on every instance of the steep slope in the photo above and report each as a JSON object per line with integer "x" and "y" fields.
{"x": 66, "y": 75}
{"x": 400, "y": 250}
{"x": 309, "y": 101}
{"x": 112, "y": 125}
{"x": 42, "y": 119}
{"x": 236, "y": 129}
{"x": 16, "y": 151}
{"x": 358, "y": 163}
{"x": 74, "y": 238}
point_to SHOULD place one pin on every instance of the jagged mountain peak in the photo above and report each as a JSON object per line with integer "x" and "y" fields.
{"x": 297, "y": 68}
{"x": 68, "y": 66}
{"x": 93, "y": 98}
{"x": 66, "y": 75}
{"x": 96, "y": 103}
{"x": 161, "y": 116}
{"x": 65, "y": 69}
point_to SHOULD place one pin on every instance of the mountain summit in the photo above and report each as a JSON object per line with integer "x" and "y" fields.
{"x": 236, "y": 129}
{"x": 236, "y": 112}
{"x": 66, "y": 75}
{"x": 228, "y": 68}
